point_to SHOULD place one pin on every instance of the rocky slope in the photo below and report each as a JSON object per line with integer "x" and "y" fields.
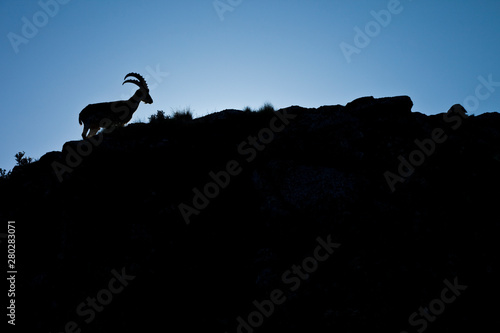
{"x": 337, "y": 219}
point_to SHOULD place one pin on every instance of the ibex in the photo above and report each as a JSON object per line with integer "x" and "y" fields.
{"x": 118, "y": 113}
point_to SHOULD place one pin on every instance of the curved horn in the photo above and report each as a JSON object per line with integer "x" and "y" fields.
{"x": 141, "y": 83}
{"x": 133, "y": 81}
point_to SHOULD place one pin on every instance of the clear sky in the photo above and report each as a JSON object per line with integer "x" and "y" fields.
{"x": 60, "y": 55}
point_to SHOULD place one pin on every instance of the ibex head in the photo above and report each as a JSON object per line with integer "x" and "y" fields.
{"x": 143, "y": 92}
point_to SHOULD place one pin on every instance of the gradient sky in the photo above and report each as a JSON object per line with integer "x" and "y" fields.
{"x": 245, "y": 53}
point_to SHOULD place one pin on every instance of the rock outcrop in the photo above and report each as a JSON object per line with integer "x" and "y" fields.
{"x": 222, "y": 222}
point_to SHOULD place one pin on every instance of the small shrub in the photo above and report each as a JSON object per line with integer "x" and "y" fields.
{"x": 247, "y": 109}
{"x": 267, "y": 107}
{"x": 21, "y": 160}
{"x": 4, "y": 174}
{"x": 158, "y": 117}
{"x": 183, "y": 115}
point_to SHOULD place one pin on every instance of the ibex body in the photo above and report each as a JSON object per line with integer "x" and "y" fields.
{"x": 118, "y": 113}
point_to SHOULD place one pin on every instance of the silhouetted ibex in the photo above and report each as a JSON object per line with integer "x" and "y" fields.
{"x": 118, "y": 113}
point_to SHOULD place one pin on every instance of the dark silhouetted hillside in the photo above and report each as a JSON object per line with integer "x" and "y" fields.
{"x": 411, "y": 199}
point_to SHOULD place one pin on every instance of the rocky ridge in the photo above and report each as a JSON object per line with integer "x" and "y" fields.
{"x": 210, "y": 215}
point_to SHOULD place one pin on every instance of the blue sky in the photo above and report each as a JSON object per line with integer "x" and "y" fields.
{"x": 211, "y": 55}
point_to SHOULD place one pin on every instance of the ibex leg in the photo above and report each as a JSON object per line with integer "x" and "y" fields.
{"x": 84, "y": 133}
{"x": 93, "y": 131}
